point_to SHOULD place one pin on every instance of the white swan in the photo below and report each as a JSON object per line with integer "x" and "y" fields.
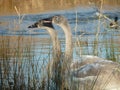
{"x": 102, "y": 74}
{"x": 46, "y": 24}
{"x": 53, "y": 68}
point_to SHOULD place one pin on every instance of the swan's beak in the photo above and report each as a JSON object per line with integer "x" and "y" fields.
{"x": 47, "y": 22}
{"x": 35, "y": 25}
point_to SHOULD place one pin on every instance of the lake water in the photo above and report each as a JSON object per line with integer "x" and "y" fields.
{"x": 87, "y": 25}
{"x": 36, "y": 46}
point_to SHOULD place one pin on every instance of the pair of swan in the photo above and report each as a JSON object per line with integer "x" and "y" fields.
{"x": 92, "y": 72}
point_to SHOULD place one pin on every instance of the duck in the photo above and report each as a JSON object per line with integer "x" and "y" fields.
{"x": 114, "y": 24}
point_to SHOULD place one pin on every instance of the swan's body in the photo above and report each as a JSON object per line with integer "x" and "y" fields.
{"x": 93, "y": 72}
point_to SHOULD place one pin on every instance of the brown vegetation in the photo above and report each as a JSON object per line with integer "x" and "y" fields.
{"x": 38, "y": 6}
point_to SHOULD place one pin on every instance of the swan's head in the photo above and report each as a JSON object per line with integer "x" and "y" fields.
{"x": 48, "y": 22}
{"x": 42, "y": 23}
{"x": 59, "y": 20}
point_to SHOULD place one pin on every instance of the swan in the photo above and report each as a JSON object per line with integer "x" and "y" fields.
{"x": 53, "y": 67}
{"x": 44, "y": 24}
{"x": 102, "y": 74}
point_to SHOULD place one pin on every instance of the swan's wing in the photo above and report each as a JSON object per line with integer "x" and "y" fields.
{"x": 84, "y": 59}
{"x": 102, "y": 73}
{"x": 91, "y": 69}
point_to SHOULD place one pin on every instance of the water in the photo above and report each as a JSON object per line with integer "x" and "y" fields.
{"x": 35, "y": 47}
{"x": 86, "y": 25}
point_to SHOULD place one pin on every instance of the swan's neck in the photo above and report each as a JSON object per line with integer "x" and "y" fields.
{"x": 56, "y": 42}
{"x": 68, "y": 42}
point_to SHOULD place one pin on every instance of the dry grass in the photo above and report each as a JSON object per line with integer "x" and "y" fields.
{"x": 20, "y": 67}
{"x": 37, "y": 6}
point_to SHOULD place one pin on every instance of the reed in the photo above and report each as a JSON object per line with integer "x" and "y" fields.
{"x": 37, "y": 6}
{"x": 19, "y": 66}
{"x": 108, "y": 48}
